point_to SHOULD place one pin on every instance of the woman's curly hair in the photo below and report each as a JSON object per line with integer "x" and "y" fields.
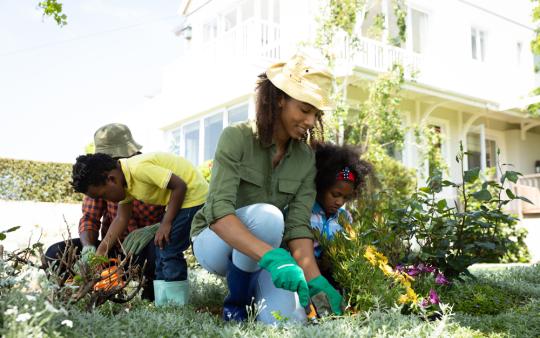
{"x": 331, "y": 159}
{"x": 91, "y": 169}
{"x": 267, "y": 106}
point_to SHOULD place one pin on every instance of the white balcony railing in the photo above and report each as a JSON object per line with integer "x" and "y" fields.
{"x": 528, "y": 186}
{"x": 377, "y": 56}
{"x": 251, "y": 39}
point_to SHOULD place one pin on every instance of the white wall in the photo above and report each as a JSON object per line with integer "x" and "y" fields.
{"x": 448, "y": 62}
{"x": 523, "y": 153}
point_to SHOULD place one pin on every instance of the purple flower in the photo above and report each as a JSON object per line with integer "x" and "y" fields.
{"x": 413, "y": 271}
{"x": 433, "y": 297}
{"x": 400, "y": 268}
{"x": 441, "y": 280}
{"x": 425, "y": 303}
{"x": 429, "y": 268}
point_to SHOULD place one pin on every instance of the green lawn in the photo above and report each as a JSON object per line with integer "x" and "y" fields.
{"x": 500, "y": 302}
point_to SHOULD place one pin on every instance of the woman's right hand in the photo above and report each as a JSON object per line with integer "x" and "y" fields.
{"x": 286, "y": 273}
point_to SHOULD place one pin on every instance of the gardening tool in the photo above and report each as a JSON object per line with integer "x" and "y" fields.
{"x": 110, "y": 277}
{"x": 319, "y": 306}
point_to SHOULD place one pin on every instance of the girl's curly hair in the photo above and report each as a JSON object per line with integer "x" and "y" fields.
{"x": 331, "y": 159}
{"x": 267, "y": 106}
{"x": 91, "y": 169}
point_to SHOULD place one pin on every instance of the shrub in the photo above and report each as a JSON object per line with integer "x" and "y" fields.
{"x": 478, "y": 298}
{"x": 452, "y": 238}
{"x": 22, "y": 180}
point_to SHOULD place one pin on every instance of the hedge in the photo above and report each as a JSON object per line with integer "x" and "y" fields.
{"x": 22, "y": 180}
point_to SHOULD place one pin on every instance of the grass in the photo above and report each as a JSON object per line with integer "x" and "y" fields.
{"x": 518, "y": 316}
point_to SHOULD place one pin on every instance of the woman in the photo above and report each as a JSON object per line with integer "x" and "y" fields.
{"x": 260, "y": 198}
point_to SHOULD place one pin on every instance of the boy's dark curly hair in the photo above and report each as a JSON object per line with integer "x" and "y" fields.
{"x": 91, "y": 169}
{"x": 267, "y": 111}
{"x": 331, "y": 159}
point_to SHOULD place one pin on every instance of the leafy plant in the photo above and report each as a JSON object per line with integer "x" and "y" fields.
{"x": 22, "y": 180}
{"x": 455, "y": 237}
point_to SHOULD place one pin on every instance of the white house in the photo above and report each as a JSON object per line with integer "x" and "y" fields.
{"x": 473, "y": 60}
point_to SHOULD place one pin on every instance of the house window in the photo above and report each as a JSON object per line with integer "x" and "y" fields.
{"x": 474, "y": 149}
{"x": 191, "y": 142}
{"x": 478, "y": 44}
{"x": 238, "y": 114}
{"x": 210, "y": 30}
{"x": 419, "y": 31}
{"x": 213, "y": 126}
{"x": 436, "y": 156}
{"x": 175, "y": 142}
{"x": 270, "y": 10}
{"x": 229, "y": 20}
{"x": 519, "y": 52}
{"x": 247, "y": 10}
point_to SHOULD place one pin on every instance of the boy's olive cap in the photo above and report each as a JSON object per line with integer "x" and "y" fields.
{"x": 115, "y": 140}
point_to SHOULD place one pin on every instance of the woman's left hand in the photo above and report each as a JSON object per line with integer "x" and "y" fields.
{"x": 162, "y": 235}
{"x": 321, "y": 284}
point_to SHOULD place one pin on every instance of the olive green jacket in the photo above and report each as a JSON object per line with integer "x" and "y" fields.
{"x": 242, "y": 175}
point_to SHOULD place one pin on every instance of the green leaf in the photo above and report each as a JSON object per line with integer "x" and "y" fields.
{"x": 11, "y": 229}
{"x": 512, "y": 176}
{"x": 525, "y": 199}
{"x": 486, "y": 245}
{"x": 471, "y": 175}
{"x": 510, "y": 194}
{"x": 482, "y": 195}
{"x": 2, "y": 236}
{"x": 441, "y": 205}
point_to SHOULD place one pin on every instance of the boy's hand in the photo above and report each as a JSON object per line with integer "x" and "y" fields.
{"x": 162, "y": 235}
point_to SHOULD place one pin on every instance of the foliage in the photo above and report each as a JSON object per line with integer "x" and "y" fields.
{"x": 22, "y": 180}
{"x": 478, "y": 298}
{"x": 206, "y": 170}
{"x": 429, "y": 141}
{"x": 377, "y": 122}
{"x": 534, "y": 109}
{"x": 364, "y": 284}
{"x": 508, "y": 230}
{"x": 450, "y": 238}
{"x": 53, "y": 9}
{"x": 202, "y": 317}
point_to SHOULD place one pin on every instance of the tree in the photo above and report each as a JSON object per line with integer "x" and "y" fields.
{"x": 53, "y": 9}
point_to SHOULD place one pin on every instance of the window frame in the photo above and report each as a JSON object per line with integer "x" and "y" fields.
{"x": 200, "y": 120}
{"x": 410, "y": 40}
{"x": 483, "y": 51}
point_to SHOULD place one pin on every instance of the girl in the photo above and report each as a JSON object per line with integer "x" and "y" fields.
{"x": 261, "y": 193}
{"x": 340, "y": 176}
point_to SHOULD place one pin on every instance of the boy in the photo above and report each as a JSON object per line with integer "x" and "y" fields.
{"x": 156, "y": 178}
{"x": 115, "y": 139}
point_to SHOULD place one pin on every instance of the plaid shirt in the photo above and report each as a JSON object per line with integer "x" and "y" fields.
{"x": 98, "y": 215}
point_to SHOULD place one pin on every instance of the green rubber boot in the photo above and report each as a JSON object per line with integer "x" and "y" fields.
{"x": 177, "y": 292}
{"x": 160, "y": 296}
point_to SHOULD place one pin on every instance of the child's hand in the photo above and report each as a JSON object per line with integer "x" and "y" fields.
{"x": 162, "y": 235}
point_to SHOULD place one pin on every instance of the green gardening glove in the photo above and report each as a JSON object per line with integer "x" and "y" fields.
{"x": 321, "y": 284}
{"x": 138, "y": 239}
{"x": 285, "y": 272}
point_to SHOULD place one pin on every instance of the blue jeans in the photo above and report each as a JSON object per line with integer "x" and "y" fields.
{"x": 170, "y": 262}
{"x": 266, "y": 222}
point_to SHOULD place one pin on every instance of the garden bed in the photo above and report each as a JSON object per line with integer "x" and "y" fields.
{"x": 499, "y": 302}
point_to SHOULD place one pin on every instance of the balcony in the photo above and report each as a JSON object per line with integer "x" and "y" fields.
{"x": 253, "y": 39}
{"x": 376, "y": 56}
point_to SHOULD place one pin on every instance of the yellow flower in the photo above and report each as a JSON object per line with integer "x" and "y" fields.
{"x": 370, "y": 255}
{"x": 412, "y": 295}
{"x": 386, "y": 269}
{"x": 403, "y": 299}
